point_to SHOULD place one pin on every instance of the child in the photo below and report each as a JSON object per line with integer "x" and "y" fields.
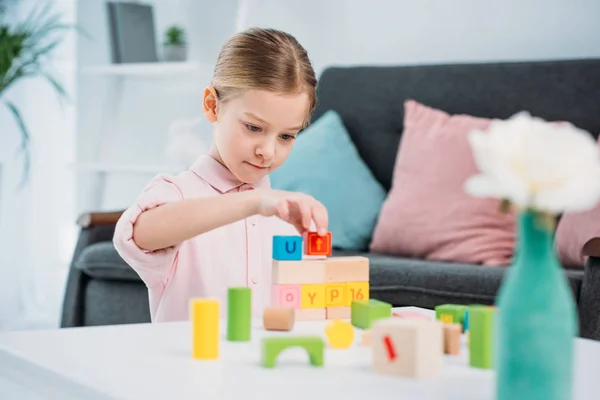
{"x": 209, "y": 228}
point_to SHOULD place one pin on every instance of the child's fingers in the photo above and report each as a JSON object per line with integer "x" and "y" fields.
{"x": 321, "y": 218}
{"x": 283, "y": 210}
{"x": 305, "y": 208}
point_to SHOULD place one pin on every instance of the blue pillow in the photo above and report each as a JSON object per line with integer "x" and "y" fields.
{"x": 325, "y": 164}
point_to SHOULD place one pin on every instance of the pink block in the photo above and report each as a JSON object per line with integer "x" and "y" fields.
{"x": 286, "y": 296}
{"x": 409, "y": 314}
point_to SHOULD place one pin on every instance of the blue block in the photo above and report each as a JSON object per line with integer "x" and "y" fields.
{"x": 287, "y": 248}
{"x": 466, "y": 323}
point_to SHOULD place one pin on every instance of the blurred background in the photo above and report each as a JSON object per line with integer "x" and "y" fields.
{"x": 133, "y": 74}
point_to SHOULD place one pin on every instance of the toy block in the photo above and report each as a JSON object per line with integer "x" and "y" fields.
{"x": 316, "y": 245}
{"x": 409, "y": 314}
{"x": 298, "y": 272}
{"x": 273, "y": 346}
{"x": 313, "y": 296}
{"x": 239, "y": 314}
{"x": 481, "y": 328}
{"x": 451, "y": 313}
{"x": 407, "y": 347}
{"x": 347, "y": 269}
{"x": 466, "y": 321}
{"x": 310, "y": 314}
{"x": 287, "y": 247}
{"x": 286, "y": 296}
{"x": 366, "y": 338}
{"x": 205, "y": 328}
{"x": 364, "y": 313}
{"x": 452, "y": 334}
{"x": 356, "y": 291}
{"x": 340, "y": 334}
{"x": 279, "y": 318}
{"x": 338, "y": 312}
{"x": 335, "y": 295}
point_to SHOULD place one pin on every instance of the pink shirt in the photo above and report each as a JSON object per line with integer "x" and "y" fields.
{"x": 238, "y": 254}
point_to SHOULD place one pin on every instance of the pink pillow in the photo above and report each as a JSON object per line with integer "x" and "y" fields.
{"x": 428, "y": 214}
{"x": 574, "y": 230}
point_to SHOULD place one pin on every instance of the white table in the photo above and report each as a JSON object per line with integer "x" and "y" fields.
{"x": 146, "y": 361}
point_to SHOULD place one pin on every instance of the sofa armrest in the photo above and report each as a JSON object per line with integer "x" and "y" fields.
{"x": 589, "y": 298}
{"x": 94, "y": 228}
{"x": 591, "y": 248}
{"x": 91, "y": 219}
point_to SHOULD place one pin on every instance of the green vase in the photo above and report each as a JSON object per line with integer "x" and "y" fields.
{"x": 537, "y": 320}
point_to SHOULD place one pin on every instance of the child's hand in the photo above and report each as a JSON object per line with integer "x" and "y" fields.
{"x": 297, "y": 209}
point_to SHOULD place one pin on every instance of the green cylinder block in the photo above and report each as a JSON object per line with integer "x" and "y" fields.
{"x": 239, "y": 314}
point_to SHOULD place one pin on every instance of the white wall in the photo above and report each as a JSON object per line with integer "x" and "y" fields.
{"x": 432, "y": 31}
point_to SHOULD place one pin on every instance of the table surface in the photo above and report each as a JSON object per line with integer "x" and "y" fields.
{"x": 147, "y": 361}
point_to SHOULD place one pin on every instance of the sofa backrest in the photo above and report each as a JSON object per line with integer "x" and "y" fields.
{"x": 370, "y": 98}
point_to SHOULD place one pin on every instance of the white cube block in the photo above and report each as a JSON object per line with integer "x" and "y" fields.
{"x": 407, "y": 347}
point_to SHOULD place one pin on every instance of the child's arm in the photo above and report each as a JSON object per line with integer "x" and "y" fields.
{"x": 175, "y": 222}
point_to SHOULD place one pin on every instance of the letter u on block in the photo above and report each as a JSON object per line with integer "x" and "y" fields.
{"x": 287, "y": 248}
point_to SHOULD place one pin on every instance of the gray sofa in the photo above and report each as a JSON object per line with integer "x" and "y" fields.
{"x": 102, "y": 289}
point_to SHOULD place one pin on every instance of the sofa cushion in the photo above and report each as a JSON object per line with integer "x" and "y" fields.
{"x": 428, "y": 214}
{"x": 412, "y": 282}
{"x": 101, "y": 260}
{"x": 325, "y": 164}
{"x": 574, "y": 230}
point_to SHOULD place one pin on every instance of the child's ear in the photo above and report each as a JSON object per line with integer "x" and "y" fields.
{"x": 209, "y": 104}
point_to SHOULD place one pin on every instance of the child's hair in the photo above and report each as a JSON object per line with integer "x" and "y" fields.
{"x": 264, "y": 59}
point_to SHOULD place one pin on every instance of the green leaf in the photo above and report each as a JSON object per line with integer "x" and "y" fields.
{"x": 57, "y": 86}
{"x": 25, "y": 138}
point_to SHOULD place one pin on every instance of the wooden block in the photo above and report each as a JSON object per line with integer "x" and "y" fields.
{"x": 310, "y": 314}
{"x": 204, "y": 314}
{"x": 273, "y": 346}
{"x": 356, "y": 291}
{"x": 287, "y": 247}
{"x": 239, "y": 314}
{"x": 286, "y": 296}
{"x": 315, "y": 245}
{"x": 451, "y": 313}
{"x": 338, "y": 312}
{"x": 410, "y": 314}
{"x": 366, "y": 338}
{"x": 347, "y": 269}
{"x": 298, "y": 272}
{"x": 313, "y": 296}
{"x": 340, "y": 334}
{"x": 364, "y": 313}
{"x": 407, "y": 347}
{"x": 279, "y": 318}
{"x": 481, "y": 329}
{"x": 452, "y": 333}
{"x": 335, "y": 295}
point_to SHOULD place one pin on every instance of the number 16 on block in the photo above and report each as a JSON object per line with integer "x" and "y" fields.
{"x": 357, "y": 291}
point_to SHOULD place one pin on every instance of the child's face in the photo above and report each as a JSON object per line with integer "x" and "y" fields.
{"x": 254, "y": 132}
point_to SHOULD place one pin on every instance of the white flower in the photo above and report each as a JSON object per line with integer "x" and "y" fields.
{"x": 550, "y": 167}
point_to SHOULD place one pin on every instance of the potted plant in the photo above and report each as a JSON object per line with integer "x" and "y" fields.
{"x": 174, "y": 46}
{"x": 25, "y": 48}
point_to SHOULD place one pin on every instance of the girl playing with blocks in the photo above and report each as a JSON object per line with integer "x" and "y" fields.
{"x": 210, "y": 227}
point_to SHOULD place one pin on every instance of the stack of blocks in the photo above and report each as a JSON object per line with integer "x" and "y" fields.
{"x": 316, "y": 285}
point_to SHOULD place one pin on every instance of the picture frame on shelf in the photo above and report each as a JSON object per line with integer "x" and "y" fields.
{"x": 131, "y": 32}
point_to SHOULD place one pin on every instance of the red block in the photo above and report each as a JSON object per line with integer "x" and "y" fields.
{"x": 315, "y": 245}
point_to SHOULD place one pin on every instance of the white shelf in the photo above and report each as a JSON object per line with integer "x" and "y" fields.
{"x": 125, "y": 168}
{"x": 154, "y": 69}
